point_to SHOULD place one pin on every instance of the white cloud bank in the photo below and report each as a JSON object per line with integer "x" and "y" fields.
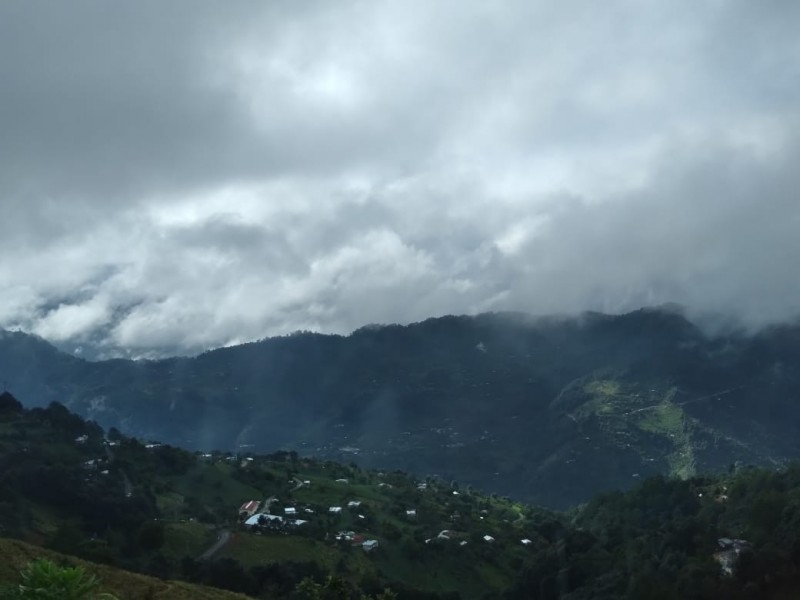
{"x": 175, "y": 177}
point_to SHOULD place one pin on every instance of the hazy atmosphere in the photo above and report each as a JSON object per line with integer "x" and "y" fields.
{"x": 177, "y": 176}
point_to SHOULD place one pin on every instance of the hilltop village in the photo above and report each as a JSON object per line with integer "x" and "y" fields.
{"x": 346, "y": 506}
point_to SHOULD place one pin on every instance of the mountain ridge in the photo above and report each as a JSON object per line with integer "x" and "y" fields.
{"x": 548, "y": 410}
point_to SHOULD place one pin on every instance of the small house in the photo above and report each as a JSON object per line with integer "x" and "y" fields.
{"x": 369, "y": 545}
{"x": 488, "y": 539}
{"x": 249, "y": 508}
{"x": 335, "y": 510}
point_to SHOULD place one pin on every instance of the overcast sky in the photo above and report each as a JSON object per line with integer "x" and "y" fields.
{"x": 182, "y": 175}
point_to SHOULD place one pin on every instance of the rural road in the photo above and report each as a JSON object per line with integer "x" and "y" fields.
{"x": 126, "y": 480}
{"x": 222, "y": 539}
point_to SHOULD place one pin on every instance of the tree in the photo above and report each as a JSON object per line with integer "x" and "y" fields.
{"x": 334, "y": 588}
{"x": 150, "y": 536}
{"x": 44, "y": 580}
{"x": 9, "y": 404}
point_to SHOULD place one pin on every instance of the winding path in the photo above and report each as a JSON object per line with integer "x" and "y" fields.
{"x": 223, "y": 538}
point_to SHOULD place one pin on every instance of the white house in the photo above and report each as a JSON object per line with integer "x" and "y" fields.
{"x": 488, "y": 538}
{"x": 526, "y": 542}
{"x": 353, "y": 504}
{"x": 335, "y": 510}
{"x": 411, "y": 513}
{"x": 256, "y": 520}
{"x": 369, "y": 545}
{"x": 290, "y": 511}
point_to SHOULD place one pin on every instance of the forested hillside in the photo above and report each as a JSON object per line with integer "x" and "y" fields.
{"x": 546, "y": 410}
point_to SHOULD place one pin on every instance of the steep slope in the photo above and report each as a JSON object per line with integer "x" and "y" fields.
{"x": 14, "y": 555}
{"x": 549, "y": 410}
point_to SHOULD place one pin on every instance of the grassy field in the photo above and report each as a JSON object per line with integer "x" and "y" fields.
{"x": 187, "y": 539}
{"x": 669, "y": 420}
{"x": 603, "y": 387}
{"x": 653, "y": 411}
{"x": 210, "y": 483}
{"x": 252, "y": 550}
{"x": 453, "y": 572}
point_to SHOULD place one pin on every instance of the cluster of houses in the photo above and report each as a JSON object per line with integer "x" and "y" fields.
{"x": 252, "y": 518}
{"x": 257, "y": 515}
{"x": 357, "y": 539}
{"x": 96, "y": 464}
{"x": 249, "y": 512}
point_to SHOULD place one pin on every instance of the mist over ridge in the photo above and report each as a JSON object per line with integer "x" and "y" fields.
{"x": 209, "y": 176}
{"x": 546, "y": 410}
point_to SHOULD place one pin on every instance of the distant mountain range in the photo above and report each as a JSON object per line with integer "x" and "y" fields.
{"x": 546, "y": 410}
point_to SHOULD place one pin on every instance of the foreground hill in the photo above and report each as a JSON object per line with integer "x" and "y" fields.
{"x": 14, "y": 555}
{"x": 550, "y": 411}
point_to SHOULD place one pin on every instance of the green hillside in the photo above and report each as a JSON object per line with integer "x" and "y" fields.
{"x": 128, "y": 505}
{"x": 161, "y": 510}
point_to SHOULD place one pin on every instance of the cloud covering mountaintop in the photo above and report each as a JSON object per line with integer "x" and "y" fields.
{"x": 176, "y": 176}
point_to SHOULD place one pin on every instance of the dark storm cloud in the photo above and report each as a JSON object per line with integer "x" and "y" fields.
{"x": 191, "y": 174}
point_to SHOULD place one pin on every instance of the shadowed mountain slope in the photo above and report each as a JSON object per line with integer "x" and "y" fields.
{"x": 549, "y": 410}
